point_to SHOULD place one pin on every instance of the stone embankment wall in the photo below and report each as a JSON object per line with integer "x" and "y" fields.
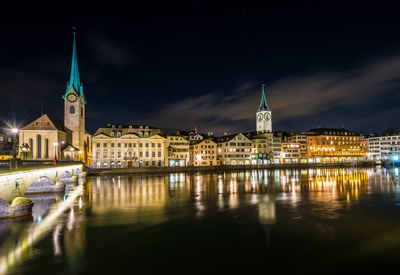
{"x": 155, "y": 170}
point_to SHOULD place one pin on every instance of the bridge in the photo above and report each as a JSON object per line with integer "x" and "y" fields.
{"x": 14, "y": 185}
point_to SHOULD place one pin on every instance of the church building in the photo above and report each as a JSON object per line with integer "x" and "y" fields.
{"x": 48, "y": 139}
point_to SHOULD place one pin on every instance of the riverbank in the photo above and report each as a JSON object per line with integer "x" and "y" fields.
{"x": 221, "y": 168}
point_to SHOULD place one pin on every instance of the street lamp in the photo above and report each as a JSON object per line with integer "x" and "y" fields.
{"x": 15, "y": 132}
{"x": 55, "y": 150}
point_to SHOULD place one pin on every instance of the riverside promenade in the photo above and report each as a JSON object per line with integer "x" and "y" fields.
{"x": 218, "y": 168}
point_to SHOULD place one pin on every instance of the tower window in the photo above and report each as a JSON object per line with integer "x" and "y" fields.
{"x": 72, "y": 110}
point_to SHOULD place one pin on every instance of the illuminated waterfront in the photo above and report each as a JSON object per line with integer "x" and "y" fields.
{"x": 318, "y": 221}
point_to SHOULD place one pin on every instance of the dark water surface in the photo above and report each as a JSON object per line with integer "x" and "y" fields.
{"x": 267, "y": 221}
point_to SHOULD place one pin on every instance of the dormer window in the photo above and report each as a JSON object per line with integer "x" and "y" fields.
{"x": 119, "y": 134}
{"x": 147, "y": 134}
{"x": 147, "y": 127}
{"x": 112, "y": 133}
{"x": 141, "y": 134}
{"x": 130, "y": 126}
{"x": 141, "y": 127}
{"x": 113, "y": 126}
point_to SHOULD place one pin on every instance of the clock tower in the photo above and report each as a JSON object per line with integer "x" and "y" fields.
{"x": 74, "y": 104}
{"x": 264, "y": 115}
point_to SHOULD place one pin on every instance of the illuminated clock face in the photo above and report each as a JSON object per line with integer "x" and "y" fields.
{"x": 259, "y": 117}
{"x": 267, "y": 116}
{"x": 72, "y": 97}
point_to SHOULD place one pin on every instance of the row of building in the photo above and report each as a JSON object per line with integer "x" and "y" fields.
{"x": 139, "y": 145}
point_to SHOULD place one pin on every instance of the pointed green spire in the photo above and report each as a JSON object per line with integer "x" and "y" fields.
{"x": 74, "y": 80}
{"x": 263, "y": 103}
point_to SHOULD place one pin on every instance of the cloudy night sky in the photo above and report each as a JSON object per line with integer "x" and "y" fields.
{"x": 200, "y": 64}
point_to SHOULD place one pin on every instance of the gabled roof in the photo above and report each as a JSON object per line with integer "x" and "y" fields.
{"x": 226, "y": 138}
{"x": 70, "y": 148}
{"x": 45, "y": 123}
{"x": 263, "y": 103}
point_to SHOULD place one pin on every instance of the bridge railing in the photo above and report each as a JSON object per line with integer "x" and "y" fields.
{"x": 7, "y": 165}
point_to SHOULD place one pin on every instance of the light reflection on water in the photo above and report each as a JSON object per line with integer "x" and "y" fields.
{"x": 310, "y": 205}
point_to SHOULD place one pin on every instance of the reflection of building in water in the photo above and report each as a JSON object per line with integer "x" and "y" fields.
{"x": 266, "y": 211}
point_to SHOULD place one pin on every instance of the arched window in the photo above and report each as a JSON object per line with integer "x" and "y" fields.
{"x": 39, "y": 146}
{"x": 46, "y": 146}
{"x": 72, "y": 110}
{"x": 31, "y": 147}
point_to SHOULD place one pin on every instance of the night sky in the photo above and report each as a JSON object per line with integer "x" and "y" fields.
{"x": 201, "y": 64}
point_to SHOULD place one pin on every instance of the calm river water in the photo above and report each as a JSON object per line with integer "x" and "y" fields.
{"x": 266, "y": 221}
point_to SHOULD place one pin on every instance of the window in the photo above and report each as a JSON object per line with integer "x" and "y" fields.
{"x": 31, "y": 146}
{"x": 46, "y": 148}
{"x": 159, "y": 154}
{"x": 153, "y": 154}
{"x": 97, "y": 145}
{"x": 105, "y": 155}
{"x": 153, "y": 145}
{"x": 39, "y": 146}
{"x": 147, "y": 154}
{"x": 119, "y": 145}
{"x": 72, "y": 110}
{"x": 159, "y": 145}
{"x": 119, "y": 154}
{"x": 97, "y": 154}
{"x": 105, "y": 145}
{"x": 112, "y": 154}
{"x": 112, "y": 145}
{"x": 130, "y": 144}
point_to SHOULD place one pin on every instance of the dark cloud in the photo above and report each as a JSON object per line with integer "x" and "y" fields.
{"x": 331, "y": 99}
{"x": 110, "y": 52}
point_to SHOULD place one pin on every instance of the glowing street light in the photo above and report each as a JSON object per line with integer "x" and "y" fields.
{"x": 15, "y": 132}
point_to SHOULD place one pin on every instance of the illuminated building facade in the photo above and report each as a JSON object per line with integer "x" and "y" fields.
{"x": 47, "y": 139}
{"x": 333, "y": 145}
{"x": 261, "y": 152}
{"x": 203, "y": 153}
{"x": 384, "y": 147}
{"x": 290, "y": 152}
{"x": 234, "y": 149}
{"x": 300, "y": 139}
{"x": 118, "y": 146}
{"x": 178, "y": 151}
{"x": 6, "y": 143}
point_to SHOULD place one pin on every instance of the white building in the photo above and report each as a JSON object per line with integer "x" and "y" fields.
{"x": 384, "y": 147}
{"x": 234, "y": 149}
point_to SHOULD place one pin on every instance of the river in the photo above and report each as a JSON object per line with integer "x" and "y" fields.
{"x": 262, "y": 221}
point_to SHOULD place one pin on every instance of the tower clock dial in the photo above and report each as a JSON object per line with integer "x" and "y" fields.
{"x": 72, "y": 97}
{"x": 260, "y": 117}
{"x": 267, "y": 116}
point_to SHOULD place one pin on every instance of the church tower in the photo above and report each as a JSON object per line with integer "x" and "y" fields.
{"x": 263, "y": 115}
{"x": 74, "y": 103}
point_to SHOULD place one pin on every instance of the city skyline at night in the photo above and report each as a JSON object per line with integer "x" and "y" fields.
{"x": 181, "y": 76}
